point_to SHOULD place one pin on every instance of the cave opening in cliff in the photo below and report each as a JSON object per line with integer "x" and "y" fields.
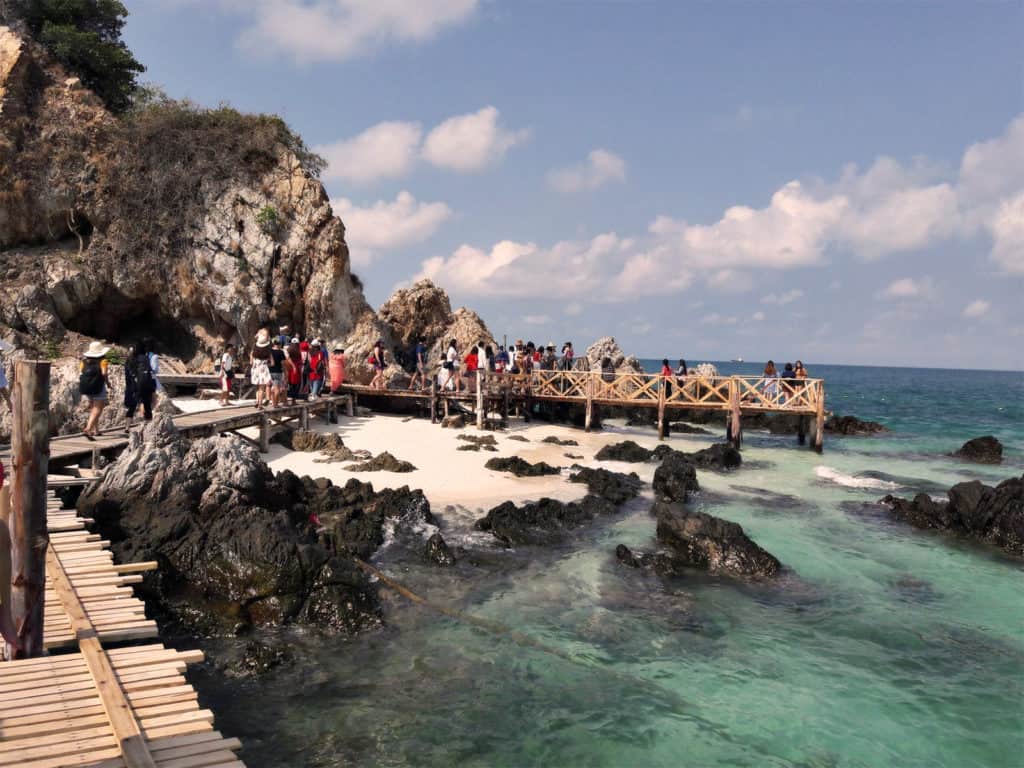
{"x": 125, "y": 320}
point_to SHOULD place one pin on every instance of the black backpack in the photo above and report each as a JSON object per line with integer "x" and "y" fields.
{"x": 90, "y": 380}
{"x": 144, "y": 380}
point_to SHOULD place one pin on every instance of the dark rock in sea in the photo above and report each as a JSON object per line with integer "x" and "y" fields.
{"x": 982, "y": 450}
{"x": 543, "y": 522}
{"x": 627, "y": 450}
{"x": 718, "y": 456}
{"x": 456, "y": 421}
{"x": 521, "y": 468}
{"x": 660, "y": 562}
{"x": 683, "y": 428}
{"x": 555, "y": 440}
{"x": 994, "y": 515}
{"x": 851, "y": 425}
{"x": 437, "y": 551}
{"x": 914, "y": 590}
{"x": 616, "y": 487}
{"x": 520, "y": 438}
{"x": 382, "y": 462}
{"x": 259, "y": 657}
{"x": 237, "y": 546}
{"x": 675, "y": 478}
{"x": 704, "y": 541}
{"x": 315, "y": 442}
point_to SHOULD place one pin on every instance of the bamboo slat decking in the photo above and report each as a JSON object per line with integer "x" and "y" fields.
{"x": 108, "y": 708}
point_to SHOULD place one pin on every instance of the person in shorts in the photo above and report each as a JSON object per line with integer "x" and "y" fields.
{"x": 227, "y": 373}
{"x": 93, "y": 384}
{"x": 277, "y": 386}
{"x": 420, "y": 357}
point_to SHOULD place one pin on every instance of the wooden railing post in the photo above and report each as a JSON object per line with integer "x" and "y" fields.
{"x": 661, "y": 408}
{"x": 30, "y": 452}
{"x": 479, "y": 399}
{"x": 588, "y": 417}
{"x": 819, "y": 421}
{"x": 735, "y": 415}
{"x": 264, "y": 433}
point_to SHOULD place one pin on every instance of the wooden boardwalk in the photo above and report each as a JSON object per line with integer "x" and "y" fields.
{"x": 101, "y": 707}
{"x": 66, "y": 449}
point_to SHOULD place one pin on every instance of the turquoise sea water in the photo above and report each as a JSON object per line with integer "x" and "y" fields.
{"x": 880, "y": 646}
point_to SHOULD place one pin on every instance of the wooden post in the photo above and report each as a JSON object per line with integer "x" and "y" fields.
{"x": 350, "y": 405}
{"x": 735, "y": 416}
{"x": 504, "y": 405}
{"x": 433, "y": 403}
{"x": 819, "y": 421}
{"x": 304, "y": 418}
{"x": 479, "y": 399}
{"x": 264, "y": 433}
{"x": 801, "y": 429}
{"x": 30, "y": 452}
{"x": 588, "y": 417}
{"x": 661, "y": 408}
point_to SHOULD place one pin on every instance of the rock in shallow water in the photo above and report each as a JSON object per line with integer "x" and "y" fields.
{"x": 982, "y": 450}
{"x": 675, "y": 478}
{"x": 542, "y": 522}
{"x": 718, "y": 456}
{"x": 616, "y": 487}
{"x": 994, "y": 515}
{"x": 521, "y": 467}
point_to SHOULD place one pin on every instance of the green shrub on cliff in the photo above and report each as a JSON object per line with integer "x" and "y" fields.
{"x": 85, "y": 36}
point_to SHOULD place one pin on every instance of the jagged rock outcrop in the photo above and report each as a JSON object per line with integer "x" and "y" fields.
{"x": 615, "y": 487}
{"x": 382, "y": 462}
{"x": 101, "y": 235}
{"x": 994, "y": 515}
{"x": 521, "y": 467}
{"x": 674, "y": 478}
{"x": 695, "y": 539}
{"x": 317, "y": 442}
{"x": 719, "y": 456}
{"x": 627, "y": 450}
{"x": 236, "y": 545}
{"x": 607, "y": 347}
{"x": 850, "y": 425}
{"x": 467, "y": 329}
{"x": 982, "y": 450}
{"x": 542, "y": 522}
{"x": 421, "y": 312}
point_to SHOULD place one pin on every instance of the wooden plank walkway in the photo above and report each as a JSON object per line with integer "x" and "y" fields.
{"x": 108, "y": 708}
{"x": 66, "y": 448}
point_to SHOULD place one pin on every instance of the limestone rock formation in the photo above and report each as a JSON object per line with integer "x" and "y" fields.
{"x": 102, "y": 236}
{"x": 982, "y": 450}
{"x": 620, "y": 361}
{"x": 422, "y": 311}
{"x": 994, "y": 515}
{"x": 467, "y": 329}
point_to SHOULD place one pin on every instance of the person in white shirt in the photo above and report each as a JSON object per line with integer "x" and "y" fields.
{"x": 227, "y": 373}
{"x": 451, "y": 366}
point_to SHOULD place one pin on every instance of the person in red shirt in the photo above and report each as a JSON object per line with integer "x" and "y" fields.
{"x": 317, "y": 368}
{"x": 472, "y": 363}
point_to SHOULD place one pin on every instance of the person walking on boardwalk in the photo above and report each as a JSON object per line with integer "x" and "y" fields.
{"x": 154, "y": 366}
{"x": 93, "y": 384}
{"x": 277, "y": 385}
{"x": 681, "y": 373}
{"x": 259, "y": 371}
{"x": 451, "y": 367}
{"x": 788, "y": 382}
{"x": 227, "y": 373}
{"x": 567, "y": 356}
{"x": 666, "y": 377}
{"x": 419, "y": 355}
{"x": 317, "y": 368}
{"x": 376, "y": 361}
{"x": 304, "y": 370}
{"x": 293, "y": 369}
{"x": 472, "y": 363}
{"x": 284, "y": 336}
{"x": 139, "y": 383}
{"x": 771, "y": 380}
{"x": 336, "y": 369}
{"x": 4, "y": 387}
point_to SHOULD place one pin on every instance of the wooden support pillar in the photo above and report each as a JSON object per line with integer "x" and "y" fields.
{"x": 304, "y": 417}
{"x": 433, "y": 404}
{"x": 801, "y": 429}
{"x": 30, "y": 452}
{"x": 446, "y": 407}
{"x": 661, "y": 409}
{"x": 588, "y": 417}
{"x": 350, "y": 405}
{"x": 819, "y": 419}
{"x": 479, "y": 399}
{"x": 735, "y": 415}
{"x": 264, "y": 433}
{"x": 504, "y": 406}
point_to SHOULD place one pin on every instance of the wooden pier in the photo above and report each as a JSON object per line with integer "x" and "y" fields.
{"x": 735, "y": 395}
{"x": 100, "y": 706}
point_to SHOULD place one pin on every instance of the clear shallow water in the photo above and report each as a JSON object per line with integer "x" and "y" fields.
{"x": 881, "y": 645}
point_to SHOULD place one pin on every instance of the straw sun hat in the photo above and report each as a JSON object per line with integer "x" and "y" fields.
{"x": 96, "y": 349}
{"x": 263, "y": 338}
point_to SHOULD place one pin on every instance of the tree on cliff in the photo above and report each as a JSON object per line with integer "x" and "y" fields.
{"x": 85, "y": 36}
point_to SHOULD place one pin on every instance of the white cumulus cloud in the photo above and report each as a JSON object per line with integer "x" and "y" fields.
{"x": 385, "y": 150}
{"x": 386, "y": 225}
{"x": 977, "y": 308}
{"x": 470, "y": 142}
{"x": 908, "y": 288}
{"x": 600, "y": 168}
{"x": 1007, "y": 228}
{"x": 782, "y": 299}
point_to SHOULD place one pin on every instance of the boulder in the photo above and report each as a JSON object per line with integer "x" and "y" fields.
{"x": 467, "y": 329}
{"x": 991, "y": 514}
{"x": 382, "y": 462}
{"x": 521, "y": 468}
{"x": 675, "y": 478}
{"x": 555, "y": 440}
{"x": 607, "y": 347}
{"x": 851, "y": 425}
{"x": 701, "y": 540}
{"x": 487, "y": 441}
{"x": 682, "y": 428}
{"x": 329, "y": 443}
{"x": 627, "y": 450}
{"x": 982, "y": 450}
{"x": 719, "y": 456}
{"x": 437, "y": 551}
{"x": 542, "y": 522}
{"x": 455, "y": 421}
{"x": 616, "y": 487}
{"x": 237, "y": 546}
{"x": 422, "y": 311}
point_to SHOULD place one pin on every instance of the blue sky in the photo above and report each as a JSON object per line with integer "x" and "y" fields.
{"x": 835, "y": 182}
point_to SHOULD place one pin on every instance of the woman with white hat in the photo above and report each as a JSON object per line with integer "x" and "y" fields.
{"x": 93, "y": 384}
{"x": 260, "y": 372}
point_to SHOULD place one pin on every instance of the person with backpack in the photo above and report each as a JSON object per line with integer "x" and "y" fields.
{"x": 93, "y": 384}
{"x": 277, "y": 356}
{"x": 317, "y": 368}
{"x": 376, "y": 360}
{"x": 419, "y": 356}
{"x": 139, "y": 383}
{"x": 227, "y": 373}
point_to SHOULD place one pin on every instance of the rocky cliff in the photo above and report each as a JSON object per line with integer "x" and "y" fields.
{"x": 193, "y": 226}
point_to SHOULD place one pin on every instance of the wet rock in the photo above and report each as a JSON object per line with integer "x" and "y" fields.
{"x": 627, "y": 450}
{"x": 258, "y": 658}
{"x": 455, "y": 421}
{"x": 382, "y": 462}
{"x": 675, "y": 478}
{"x": 542, "y": 522}
{"x": 437, "y": 551}
{"x": 315, "y": 442}
{"x": 718, "y": 456}
{"x": 616, "y": 487}
{"x": 982, "y": 450}
{"x": 703, "y": 541}
{"x": 994, "y": 515}
{"x": 660, "y": 562}
{"x": 521, "y": 468}
{"x": 555, "y": 440}
{"x": 851, "y": 425}
{"x": 237, "y": 546}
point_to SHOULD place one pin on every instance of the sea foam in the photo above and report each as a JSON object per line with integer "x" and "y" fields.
{"x": 849, "y": 481}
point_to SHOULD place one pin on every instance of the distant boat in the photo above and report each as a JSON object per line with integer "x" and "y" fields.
{"x": 737, "y": 360}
